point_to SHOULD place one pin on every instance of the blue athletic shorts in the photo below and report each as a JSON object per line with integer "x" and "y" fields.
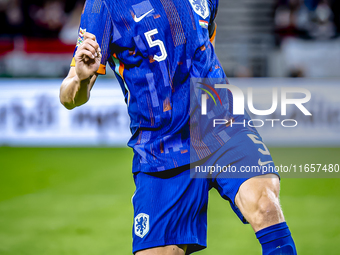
{"x": 170, "y": 208}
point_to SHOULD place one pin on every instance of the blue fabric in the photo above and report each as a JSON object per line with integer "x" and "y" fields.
{"x": 175, "y": 211}
{"x": 94, "y": 20}
{"x": 171, "y": 207}
{"x": 240, "y": 153}
{"x": 276, "y": 240}
{"x": 157, "y": 92}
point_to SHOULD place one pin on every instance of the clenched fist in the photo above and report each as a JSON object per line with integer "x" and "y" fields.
{"x": 87, "y": 57}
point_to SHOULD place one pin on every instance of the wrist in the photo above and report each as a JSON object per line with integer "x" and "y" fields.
{"x": 82, "y": 79}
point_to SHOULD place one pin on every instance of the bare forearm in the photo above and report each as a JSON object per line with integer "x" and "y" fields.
{"x": 75, "y": 89}
{"x": 74, "y": 92}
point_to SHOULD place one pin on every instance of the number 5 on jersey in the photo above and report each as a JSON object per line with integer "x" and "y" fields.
{"x": 254, "y": 138}
{"x": 159, "y": 43}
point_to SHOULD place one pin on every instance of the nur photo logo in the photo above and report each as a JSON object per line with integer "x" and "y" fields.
{"x": 285, "y": 96}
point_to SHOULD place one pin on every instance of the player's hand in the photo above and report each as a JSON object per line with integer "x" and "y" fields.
{"x": 87, "y": 57}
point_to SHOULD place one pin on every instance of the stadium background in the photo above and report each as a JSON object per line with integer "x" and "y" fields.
{"x": 65, "y": 179}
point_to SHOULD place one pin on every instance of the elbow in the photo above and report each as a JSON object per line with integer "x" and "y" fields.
{"x": 65, "y": 100}
{"x": 72, "y": 94}
{"x": 69, "y": 105}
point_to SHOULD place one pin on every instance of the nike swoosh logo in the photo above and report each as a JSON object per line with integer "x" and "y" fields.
{"x": 264, "y": 163}
{"x": 141, "y": 17}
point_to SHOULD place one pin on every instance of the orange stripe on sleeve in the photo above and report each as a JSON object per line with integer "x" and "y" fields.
{"x": 214, "y": 34}
{"x": 101, "y": 70}
{"x": 73, "y": 63}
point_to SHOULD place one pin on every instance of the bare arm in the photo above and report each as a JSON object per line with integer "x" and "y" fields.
{"x": 76, "y": 87}
{"x": 75, "y": 92}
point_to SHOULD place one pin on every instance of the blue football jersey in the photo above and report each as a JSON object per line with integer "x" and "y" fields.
{"x": 156, "y": 47}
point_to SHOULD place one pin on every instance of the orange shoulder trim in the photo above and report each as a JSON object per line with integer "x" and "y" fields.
{"x": 214, "y": 34}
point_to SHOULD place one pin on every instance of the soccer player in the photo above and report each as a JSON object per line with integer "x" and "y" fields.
{"x": 156, "y": 48}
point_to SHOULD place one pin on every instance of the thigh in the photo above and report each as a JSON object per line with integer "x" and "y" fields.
{"x": 244, "y": 156}
{"x": 169, "y": 211}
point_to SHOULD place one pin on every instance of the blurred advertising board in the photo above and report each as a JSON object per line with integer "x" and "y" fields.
{"x": 31, "y": 114}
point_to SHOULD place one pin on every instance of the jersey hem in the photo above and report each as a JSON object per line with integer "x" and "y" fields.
{"x": 194, "y": 244}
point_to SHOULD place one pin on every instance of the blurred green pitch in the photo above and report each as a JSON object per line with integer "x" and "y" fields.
{"x": 56, "y": 201}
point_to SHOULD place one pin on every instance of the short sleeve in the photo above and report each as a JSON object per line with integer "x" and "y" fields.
{"x": 96, "y": 20}
{"x": 213, "y": 6}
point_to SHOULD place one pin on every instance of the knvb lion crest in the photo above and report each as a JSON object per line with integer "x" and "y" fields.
{"x": 200, "y": 7}
{"x": 141, "y": 225}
